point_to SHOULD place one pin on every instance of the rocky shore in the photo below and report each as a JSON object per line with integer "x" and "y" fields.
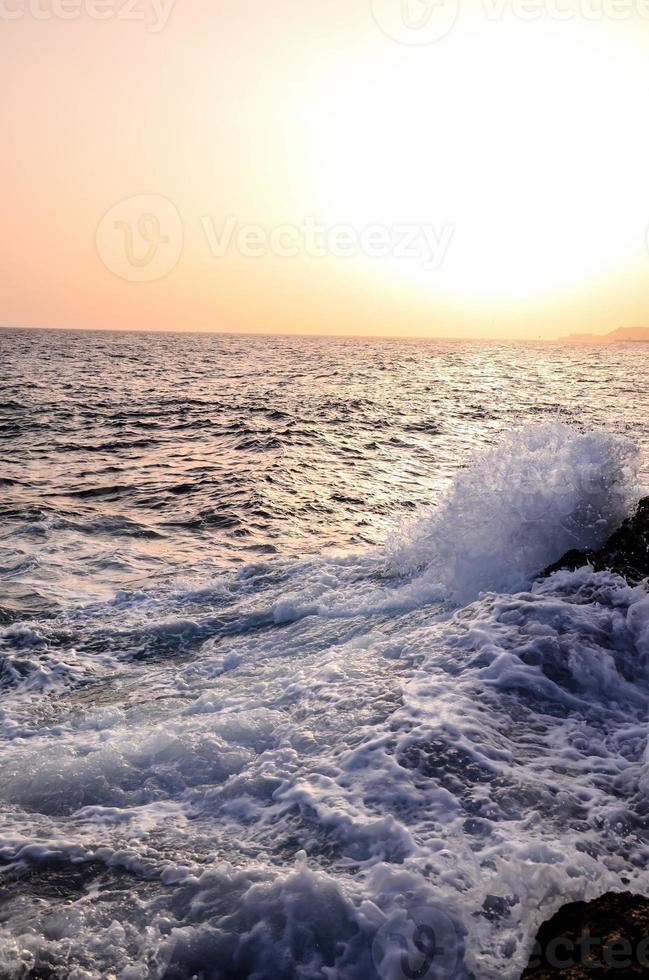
{"x": 625, "y": 552}
{"x": 608, "y": 937}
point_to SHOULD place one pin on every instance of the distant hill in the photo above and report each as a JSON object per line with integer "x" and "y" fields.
{"x": 622, "y": 334}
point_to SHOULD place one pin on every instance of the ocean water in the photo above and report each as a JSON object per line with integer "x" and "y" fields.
{"x": 282, "y": 692}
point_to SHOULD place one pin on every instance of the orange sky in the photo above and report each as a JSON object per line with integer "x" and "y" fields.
{"x": 371, "y": 167}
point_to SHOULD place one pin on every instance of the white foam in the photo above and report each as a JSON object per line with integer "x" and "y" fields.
{"x": 302, "y": 765}
{"x": 514, "y": 510}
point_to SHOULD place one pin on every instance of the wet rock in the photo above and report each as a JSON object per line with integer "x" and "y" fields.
{"x": 626, "y": 551}
{"x": 606, "y": 938}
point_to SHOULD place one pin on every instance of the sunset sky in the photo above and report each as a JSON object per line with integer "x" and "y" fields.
{"x": 339, "y": 167}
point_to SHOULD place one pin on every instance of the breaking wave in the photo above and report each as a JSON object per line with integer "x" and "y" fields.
{"x": 517, "y": 508}
{"x": 289, "y": 770}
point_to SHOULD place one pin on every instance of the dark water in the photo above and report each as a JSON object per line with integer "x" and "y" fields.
{"x": 254, "y": 725}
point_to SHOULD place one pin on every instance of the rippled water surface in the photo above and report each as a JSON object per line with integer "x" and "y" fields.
{"x": 130, "y": 456}
{"x": 280, "y": 684}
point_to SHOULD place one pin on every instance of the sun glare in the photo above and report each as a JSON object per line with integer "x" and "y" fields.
{"x": 520, "y": 145}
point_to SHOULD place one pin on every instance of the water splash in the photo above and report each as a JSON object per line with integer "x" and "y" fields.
{"x": 543, "y": 490}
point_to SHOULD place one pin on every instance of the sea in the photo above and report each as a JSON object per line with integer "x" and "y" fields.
{"x": 284, "y": 692}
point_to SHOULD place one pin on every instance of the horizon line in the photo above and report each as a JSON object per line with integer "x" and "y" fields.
{"x": 565, "y": 338}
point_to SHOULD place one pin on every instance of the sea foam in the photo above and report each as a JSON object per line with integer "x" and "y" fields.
{"x": 291, "y": 770}
{"x": 515, "y": 509}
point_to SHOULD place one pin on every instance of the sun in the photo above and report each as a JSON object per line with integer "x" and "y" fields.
{"x": 523, "y": 143}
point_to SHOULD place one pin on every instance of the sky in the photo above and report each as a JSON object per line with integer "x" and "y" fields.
{"x": 468, "y": 168}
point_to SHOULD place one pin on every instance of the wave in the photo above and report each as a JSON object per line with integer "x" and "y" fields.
{"x": 299, "y": 767}
{"x": 519, "y": 507}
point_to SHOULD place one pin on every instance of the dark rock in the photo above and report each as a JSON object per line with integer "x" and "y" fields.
{"x": 626, "y": 552}
{"x": 606, "y": 938}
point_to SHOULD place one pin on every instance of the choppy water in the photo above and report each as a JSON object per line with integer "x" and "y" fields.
{"x": 254, "y": 725}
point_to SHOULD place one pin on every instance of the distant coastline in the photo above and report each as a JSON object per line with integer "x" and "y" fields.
{"x": 621, "y": 335}
{"x": 633, "y": 335}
